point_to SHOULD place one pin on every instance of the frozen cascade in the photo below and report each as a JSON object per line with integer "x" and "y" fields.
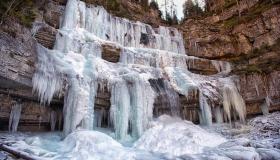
{"x": 119, "y": 111}
{"x": 15, "y": 116}
{"x": 210, "y": 89}
{"x": 232, "y": 101}
{"x": 75, "y": 69}
{"x": 169, "y": 98}
{"x": 205, "y": 116}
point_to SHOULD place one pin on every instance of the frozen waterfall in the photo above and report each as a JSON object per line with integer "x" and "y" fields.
{"x": 74, "y": 69}
{"x": 15, "y": 116}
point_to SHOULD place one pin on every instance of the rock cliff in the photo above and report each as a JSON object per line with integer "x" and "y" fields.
{"x": 247, "y": 35}
{"x": 250, "y": 42}
{"x": 19, "y": 35}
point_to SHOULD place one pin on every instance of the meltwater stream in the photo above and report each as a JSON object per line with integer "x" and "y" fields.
{"x": 152, "y": 63}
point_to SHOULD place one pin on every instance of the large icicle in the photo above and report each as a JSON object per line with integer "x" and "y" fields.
{"x": 232, "y": 101}
{"x": 15, "y": 116}
{"x": 142, "y": 100}
{"x": 120, "y": 108}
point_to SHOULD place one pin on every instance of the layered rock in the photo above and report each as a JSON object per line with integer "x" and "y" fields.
{"x": 215, "y": 37}
{"x": 246, "y": 34}
{"x": 18, "y": 59}
{"x": 132, "y": 10}
{"x": 261, "y": 90}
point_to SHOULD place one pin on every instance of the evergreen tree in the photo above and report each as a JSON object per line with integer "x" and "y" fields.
{"x": 198, "y": 9}
{"x": 145, "y": 3}
{"x": 192, "y": 9}
{"x": 169, "y": 19}
{"x": 175, "y": 19}
{"x": 154, "y": 5}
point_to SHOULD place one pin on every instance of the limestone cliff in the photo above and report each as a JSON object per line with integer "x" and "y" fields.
{"x": 247, "y": 34}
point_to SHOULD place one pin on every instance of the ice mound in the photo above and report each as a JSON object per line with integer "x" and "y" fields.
{"x": 177, "y": 137}
{"x": 92, "y": 145}
{"x": 79, "y": 145}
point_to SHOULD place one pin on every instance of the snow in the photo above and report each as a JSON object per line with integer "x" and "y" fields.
{"x": 177, "y": 137}
{"x": 267, "y": 126}
{"x": 167, "y": 138}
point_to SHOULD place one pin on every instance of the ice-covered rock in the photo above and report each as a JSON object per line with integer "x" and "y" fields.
{"x": 267, "y": 126}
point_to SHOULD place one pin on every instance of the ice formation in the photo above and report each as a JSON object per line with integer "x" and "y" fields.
{"x": 177, "y": 137}
{"x": 15, "y": 116}
{"x": 75, "y": 69}
{"x": 160, "y": 142}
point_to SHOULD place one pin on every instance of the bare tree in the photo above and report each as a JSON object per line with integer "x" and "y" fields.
{"x": 239, "y": 10}
{"x": 7, "y": 11}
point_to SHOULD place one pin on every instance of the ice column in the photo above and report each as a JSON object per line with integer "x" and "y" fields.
{"x": 79, "y": 106}
{"x": 132, "y": 100}
{"x": 205, "y": 115}
{"x": 232, "y": 101}
{"x": 15, "y": 116}
{"x": 120, "y": 108}
{"x": 142, "y": 100}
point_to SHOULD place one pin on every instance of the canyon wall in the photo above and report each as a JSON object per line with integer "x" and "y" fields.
{"x": 246, "y": 34}
{"x": 19, "y": 35}
{"x": 251, "y": 44}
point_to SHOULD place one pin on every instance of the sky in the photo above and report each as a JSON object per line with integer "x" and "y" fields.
{"x": 179, "y": 6}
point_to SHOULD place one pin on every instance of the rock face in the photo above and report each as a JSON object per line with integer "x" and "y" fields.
{"x": 216, "y": 37}
{"x": 250, "y": 42}
{"x": 131, "y": 9}
{"x": 261, "y": 90}
{"x": 18, "y": 58}
{"x": 17, "y": 65}
{"x": 251, "y": 46}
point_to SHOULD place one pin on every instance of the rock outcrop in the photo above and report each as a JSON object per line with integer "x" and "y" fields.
{"x": 18, "y": 58}
{"x": 247, "y": 35}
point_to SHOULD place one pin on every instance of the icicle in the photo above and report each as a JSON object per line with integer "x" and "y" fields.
{"x": 232, "y": 101}
{"x": 15, "y": 116}
{"x": 45, "y": 80}
{"x": 265, "y": 106}
{"x": 218, "y": 115}
{"x": 205, "y": 111}
{"x": 79, "y": 106}
{"x": 120, "y": 108}
{"x": 222, "y": 66}
{"x": 142, "y": 100}
{"x": 257, "y": 88}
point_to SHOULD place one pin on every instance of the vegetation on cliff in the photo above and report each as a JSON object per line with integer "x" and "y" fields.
{"x": 258, "y": 60}
{"x": 192, "y": 10}
{"x": 250, "y": 14}
{"x": 21, "y": 10}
